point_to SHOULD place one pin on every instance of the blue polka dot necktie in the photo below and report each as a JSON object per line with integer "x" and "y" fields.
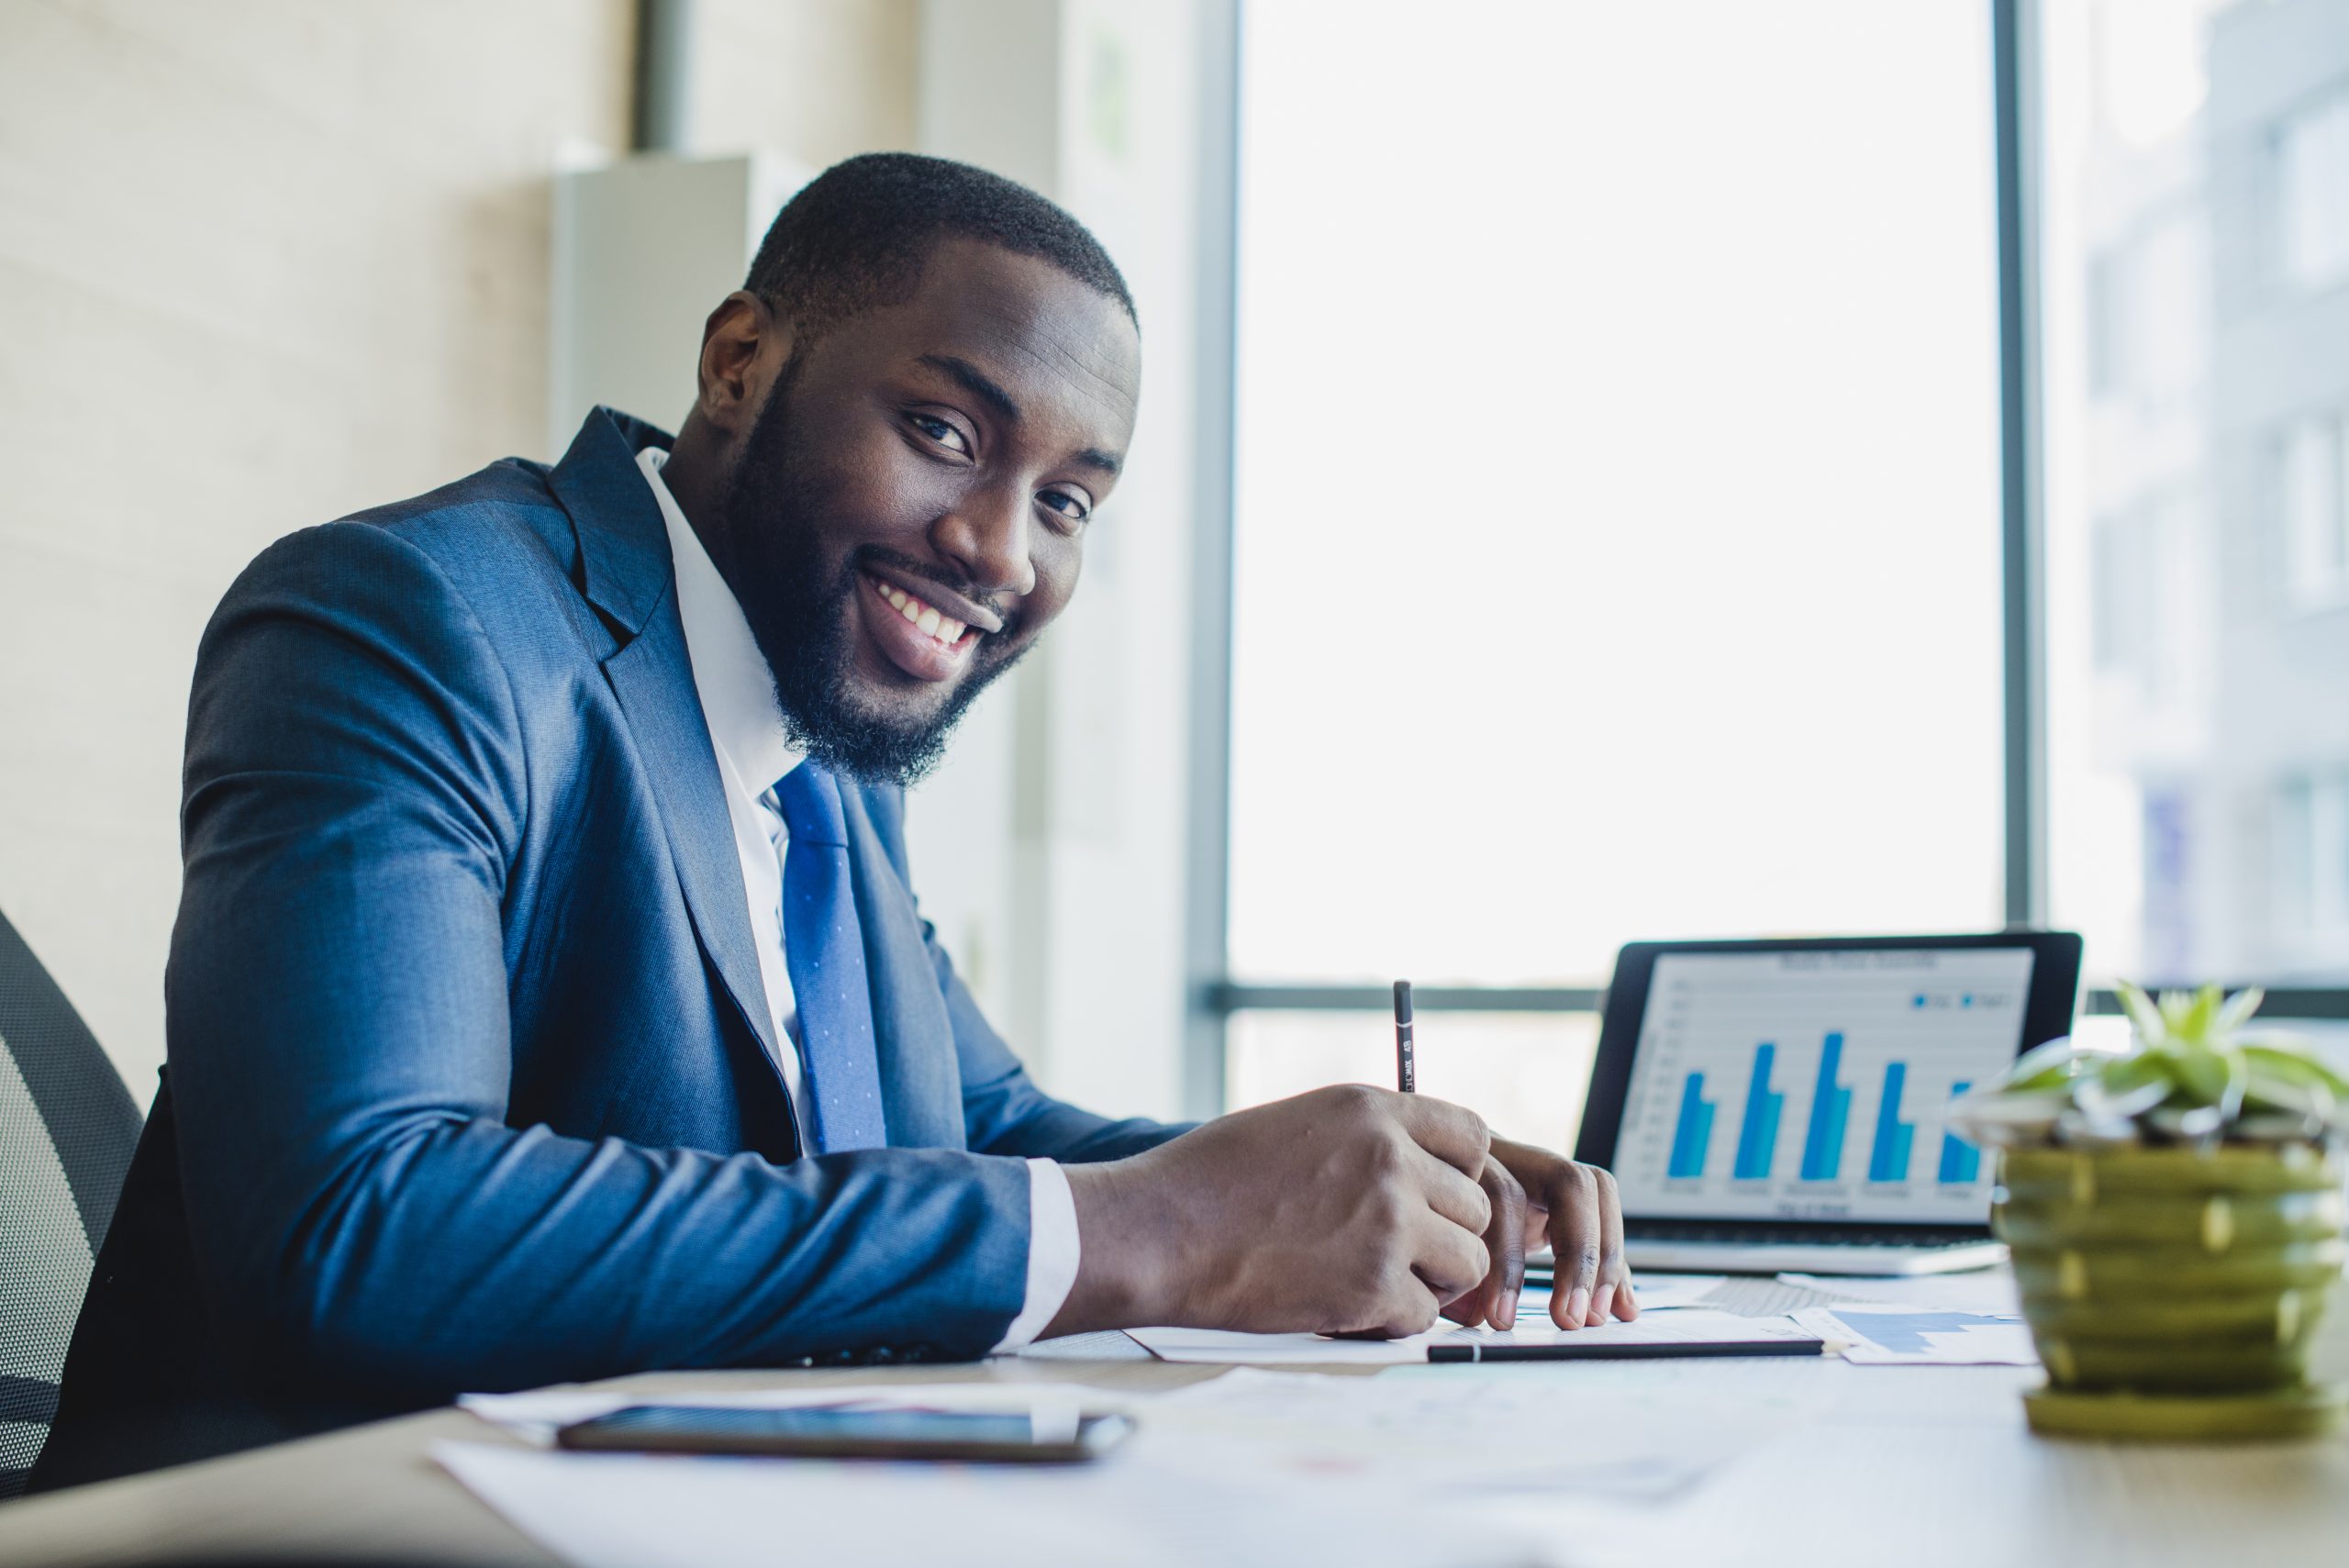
{"x": 823, "y": 946}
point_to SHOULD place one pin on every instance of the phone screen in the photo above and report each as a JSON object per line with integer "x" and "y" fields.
{"x": 824, "y": 1429}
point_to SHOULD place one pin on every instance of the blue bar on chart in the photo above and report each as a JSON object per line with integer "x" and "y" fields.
{"x": 1693, "y": 1132}
{"x": 1961, "y": 1162}
{"x": 1888, "y": 1160}
{"x": 1759, "y": 1134}
{"x": 1830, "y": 1105}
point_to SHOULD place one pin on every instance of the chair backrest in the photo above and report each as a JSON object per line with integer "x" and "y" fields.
{"x": 67, "y": 1130}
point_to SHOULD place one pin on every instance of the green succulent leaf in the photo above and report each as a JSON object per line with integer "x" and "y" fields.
{"x": 2197, "y": 1017}
{"x": 2191, "y": 1070}
{"x": 2238, "y": 1010}
{"x": 2293, "y": 1066}
{"x": 2144, "y": 1015}
{"x": 2126, "y": 1074}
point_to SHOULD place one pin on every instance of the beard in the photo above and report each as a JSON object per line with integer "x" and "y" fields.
{"x": 801, "y": 613}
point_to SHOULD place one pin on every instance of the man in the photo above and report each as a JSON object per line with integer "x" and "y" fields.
{"x": 548, "y": 999}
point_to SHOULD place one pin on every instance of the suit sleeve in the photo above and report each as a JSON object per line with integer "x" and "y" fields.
{"x": 1003, "y": 1110}
{"x": 356, "y": 790}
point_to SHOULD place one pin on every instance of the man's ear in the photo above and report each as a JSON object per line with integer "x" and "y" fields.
{"x": 744, "y": 345}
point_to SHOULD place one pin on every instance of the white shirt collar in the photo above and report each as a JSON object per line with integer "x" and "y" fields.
{"x": 730, "y": 674}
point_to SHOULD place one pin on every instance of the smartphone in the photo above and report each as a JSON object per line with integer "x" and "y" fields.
{"x": 853, "y": 1431}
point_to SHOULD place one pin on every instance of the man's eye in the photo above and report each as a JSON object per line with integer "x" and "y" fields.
{"x": 1066, "y": 504}
{"x": 939, "y": 430}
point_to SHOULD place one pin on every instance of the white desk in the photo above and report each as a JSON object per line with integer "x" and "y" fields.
{"x": 1913, "y": 1466}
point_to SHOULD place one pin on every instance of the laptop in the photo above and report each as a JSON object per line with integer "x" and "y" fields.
{"x": 1783, "y": 1106}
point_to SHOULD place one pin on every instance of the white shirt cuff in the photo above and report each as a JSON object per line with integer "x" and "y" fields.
{"x": 1051, "y": 1254}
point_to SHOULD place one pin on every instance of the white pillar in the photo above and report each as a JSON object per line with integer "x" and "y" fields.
{"x": 1054, "y": 837}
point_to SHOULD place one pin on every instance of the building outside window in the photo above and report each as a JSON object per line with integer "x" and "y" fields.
{"x": 2312, "y": 503}
{"x": 2312, "y": 867}
{"x": 2199, "y": 579}
{"x": 2312, "y": 193}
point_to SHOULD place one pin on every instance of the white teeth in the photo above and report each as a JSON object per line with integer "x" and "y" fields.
{"x": 943, "y": 628}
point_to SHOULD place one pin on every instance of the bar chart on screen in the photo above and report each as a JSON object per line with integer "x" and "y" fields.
{"x": 1817, "y": 1084}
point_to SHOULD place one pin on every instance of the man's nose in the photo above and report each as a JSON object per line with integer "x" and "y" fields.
{"x": 986, "y": 536}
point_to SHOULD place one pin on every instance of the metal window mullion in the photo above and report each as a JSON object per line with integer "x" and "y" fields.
{"x": 1206, "y": 925}
{"x": 2023, "y": 611}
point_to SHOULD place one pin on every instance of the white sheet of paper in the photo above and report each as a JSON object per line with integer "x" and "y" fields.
{"x": 1225, "y": 1347}
{"x": 1882, "y": 1334}
{"x": 1413, "y": 1430}
{"x": 597, "y": 1510}
{"x": 1982, "y": 1290}
{"x": 1655, "y": 1293}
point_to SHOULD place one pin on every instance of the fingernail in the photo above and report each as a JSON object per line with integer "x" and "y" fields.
{"x": 1504, "y": 1310}
{"x": 1578, "y": 1307}
{"x": 1601, "y": 1302}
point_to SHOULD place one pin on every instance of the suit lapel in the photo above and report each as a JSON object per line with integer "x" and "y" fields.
{"x": 625, "y": 571}
{"x": 921, "y": 1091}
{"x": 654, "y": 683}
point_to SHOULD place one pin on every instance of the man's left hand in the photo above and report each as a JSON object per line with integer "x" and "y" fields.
{"x": 1541, "y": 1197}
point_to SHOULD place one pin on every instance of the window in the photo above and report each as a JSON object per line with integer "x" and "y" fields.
{"x": 2312, "y": 863}
{"x": 2197, "y": 554}
{"x": 2312, "y": 192}
{"x": 2143, "y": 352}
{"x": 2153, "y": 616}
{"x": 1617, "y": 503}
{"x": 1640, "y": 581}
{"x": 2313, "y": 501}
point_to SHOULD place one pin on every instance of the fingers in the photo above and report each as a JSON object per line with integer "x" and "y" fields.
{"x": 1612, "y": 1294}
{"x": 1505, "y": 1244}
{"x": 1612, "y": 1269}
{"x": 1578, "y": 1237}
{"x": 1493, "y": 1301}
{"x": 1452, "y": 1261}
{"x": 1452, "y": 1195}
{"x": 1456, "y": 1136}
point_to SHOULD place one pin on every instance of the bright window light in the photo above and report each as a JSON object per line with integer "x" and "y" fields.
{"x": 1617, "y": 497}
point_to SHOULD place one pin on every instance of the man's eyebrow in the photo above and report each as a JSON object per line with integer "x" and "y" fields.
{"x": 975, "y": 381}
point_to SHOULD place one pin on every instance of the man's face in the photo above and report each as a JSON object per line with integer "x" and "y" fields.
{"x": 909, "y": 510}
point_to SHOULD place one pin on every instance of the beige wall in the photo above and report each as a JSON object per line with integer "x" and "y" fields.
{"x": 263, "y": 263}
{"x": 816, "y": 79}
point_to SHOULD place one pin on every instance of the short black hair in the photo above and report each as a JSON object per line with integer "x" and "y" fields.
{"x": 857, "y": 235}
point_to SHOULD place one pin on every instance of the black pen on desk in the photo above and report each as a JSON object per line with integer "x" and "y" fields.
{"x": 1618, "y": 1349}
{"x": 1407, "y": 1076}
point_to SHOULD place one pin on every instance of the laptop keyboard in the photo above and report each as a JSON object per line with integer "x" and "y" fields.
{"x": 1753, "y": 1234}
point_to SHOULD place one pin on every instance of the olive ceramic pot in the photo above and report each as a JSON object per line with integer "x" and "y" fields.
{"x": 2174, "y": 1292}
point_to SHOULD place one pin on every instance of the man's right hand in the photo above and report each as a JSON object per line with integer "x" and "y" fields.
{"x": 1348, "y": 1209}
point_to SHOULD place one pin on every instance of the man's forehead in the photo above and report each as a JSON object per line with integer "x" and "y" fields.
{"x": 1055, "y": 344}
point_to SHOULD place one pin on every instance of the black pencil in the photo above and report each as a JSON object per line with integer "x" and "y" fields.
{"x": 1407, "y": 1076}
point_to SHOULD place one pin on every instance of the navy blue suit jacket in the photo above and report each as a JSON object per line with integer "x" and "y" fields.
{"x": 469, "y": 1086}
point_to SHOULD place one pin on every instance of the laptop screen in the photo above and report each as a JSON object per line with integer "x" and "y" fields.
{"x": 1816, "y": 1085}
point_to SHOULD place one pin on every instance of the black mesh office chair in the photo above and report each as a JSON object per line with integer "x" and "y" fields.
{"x": 67, "y": 1128}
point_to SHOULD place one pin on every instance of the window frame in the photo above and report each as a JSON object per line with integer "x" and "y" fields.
{"x": 1213, "y": 996}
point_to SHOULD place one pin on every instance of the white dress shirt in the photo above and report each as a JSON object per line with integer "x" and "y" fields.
{"x": 755, "y": 750}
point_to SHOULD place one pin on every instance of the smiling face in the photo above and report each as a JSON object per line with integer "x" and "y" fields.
{"x": 907, "y": 510}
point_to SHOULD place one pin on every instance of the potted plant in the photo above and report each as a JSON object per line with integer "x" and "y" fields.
{"x": 2174, "y": 1208}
